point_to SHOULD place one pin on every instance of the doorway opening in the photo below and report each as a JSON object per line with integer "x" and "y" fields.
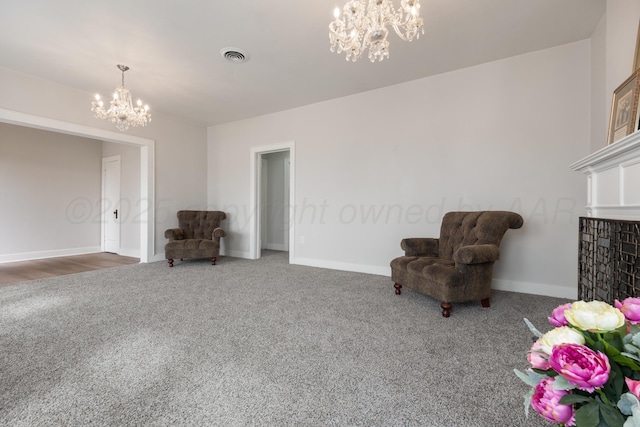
{"x": 147, "y": 165}
{"x": 272, "y": 199}
{"x": 110, "y": 212}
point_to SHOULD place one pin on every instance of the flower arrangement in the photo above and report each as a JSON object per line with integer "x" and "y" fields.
{"x": 586, "y": 371}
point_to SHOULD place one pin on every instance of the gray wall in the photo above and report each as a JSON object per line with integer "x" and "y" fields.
{"x": 180, "y": 178}
{"x": 50, "y": 189}
{"x": 373, "y": 168}
{"x": 379, "y": 166}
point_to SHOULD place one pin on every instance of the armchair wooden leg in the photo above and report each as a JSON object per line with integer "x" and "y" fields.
{"x": 398, "y": 286}
{"x": 446, "y": 309}
{"x": 486, "y": 302}
{"x": 170, "y": 261}
{"x": 213, "y": 260}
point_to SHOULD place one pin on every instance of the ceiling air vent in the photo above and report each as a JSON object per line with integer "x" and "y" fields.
{"x": 235, "y": 55}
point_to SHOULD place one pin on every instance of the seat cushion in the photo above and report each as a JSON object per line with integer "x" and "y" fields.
{"x": 437, "y": 270}
{"x": 431, "y": 276}
{"x": 192, "y": 248}
{"x": 402, "y": 262}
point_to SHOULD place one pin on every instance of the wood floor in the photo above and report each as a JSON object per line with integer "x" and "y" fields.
{"x": 20, "y": 271}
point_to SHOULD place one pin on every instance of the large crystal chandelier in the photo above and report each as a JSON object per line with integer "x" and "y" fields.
{"x": 121, "y": 110}
{"x": 363, "y": 25}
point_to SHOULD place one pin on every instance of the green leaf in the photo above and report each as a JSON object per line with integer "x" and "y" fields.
{"x": 561, "y": 383}
{"x": 527, "y": 402}
{"x": 609, "y": 349}
{"x": 631, "y": 356}
{"x": 632, "y": 422}
{"x": 615, "y": 340}
{"x": 589, "y": 337}
{"x": 614, "y": 385}
{"x": 570, "y": 399}
{"x": 546, "y": 373}
{"x": 611, "y": 416}
{"x": 529, "y": 378}
{"x": 627, "y": 402}
{"x": 625, "y": 361}
{"x": 588, "y": 415}
{"x": 532, "y": 328}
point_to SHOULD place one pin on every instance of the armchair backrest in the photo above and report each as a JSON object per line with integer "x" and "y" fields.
{"x": 199, "y": 224}
{"x": 474, "y": 228}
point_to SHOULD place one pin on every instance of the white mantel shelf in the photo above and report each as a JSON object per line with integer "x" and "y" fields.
{"x": 613, "y": 179}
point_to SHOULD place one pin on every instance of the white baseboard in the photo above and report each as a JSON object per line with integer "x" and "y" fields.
{"x": 497, "y": 284}
{"x": 133, "y": 253}
{"x": 276, "y": 247}
{"x": 536, "y": 289}
{"x": 344, "y": 266}
{"x": 157, "y": 257}
{"x": 25, "y": 256}
{"x": 236, "y": 254}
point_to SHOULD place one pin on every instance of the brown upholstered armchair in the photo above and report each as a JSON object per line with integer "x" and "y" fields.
{"x": 197, "y": 236}
{"x": 458, "y": 266}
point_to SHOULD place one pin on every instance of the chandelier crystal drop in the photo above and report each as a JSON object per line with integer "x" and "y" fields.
{"x": 363, "y": 24}
{"x": 121, "y": 111}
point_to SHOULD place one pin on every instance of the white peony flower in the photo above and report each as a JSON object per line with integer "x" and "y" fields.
{"x": 561, "y": 335}
{"x": 594, "y": 316}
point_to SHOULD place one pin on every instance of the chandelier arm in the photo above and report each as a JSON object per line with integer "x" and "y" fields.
{"x": 407, "y": 20}
{"x": 400, "y": 33}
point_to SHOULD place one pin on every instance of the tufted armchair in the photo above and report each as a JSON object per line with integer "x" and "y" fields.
{"x": 458, "y": 266}
{"x": 197, "y": 236}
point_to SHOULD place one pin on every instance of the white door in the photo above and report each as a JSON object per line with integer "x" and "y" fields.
{"x": 111, "y": 214}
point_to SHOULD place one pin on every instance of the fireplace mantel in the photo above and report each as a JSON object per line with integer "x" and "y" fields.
{"x": 613, "y": 179}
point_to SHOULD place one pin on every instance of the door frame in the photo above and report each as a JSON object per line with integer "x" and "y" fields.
{"x": 147, "y": 164}
{"x": 287, "y": 196}
{"x": 262, "y": 198}
{"x": 254, "y": 191}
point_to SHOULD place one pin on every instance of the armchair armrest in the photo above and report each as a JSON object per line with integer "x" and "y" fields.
{"x": 174, "y": 234}
{"x": 219, "y": 232}
{"x": 420, "y": 246}
{"x": 476, "y": 254}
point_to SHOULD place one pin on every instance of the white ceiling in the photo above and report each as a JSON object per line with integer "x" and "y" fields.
{"x": 173, "y": 48}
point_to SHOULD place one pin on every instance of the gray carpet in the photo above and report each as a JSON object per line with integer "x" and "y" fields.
{"x": 257, "y": 343}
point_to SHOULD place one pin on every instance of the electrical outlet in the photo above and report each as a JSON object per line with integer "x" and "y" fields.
{"x": 301, "y": 239}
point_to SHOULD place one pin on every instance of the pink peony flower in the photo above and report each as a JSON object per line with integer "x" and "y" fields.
{"x": 634, "y": 386}
{"x": 580, "y": 365}
{"x": 630, "y": 307}
{"x": 557, "y": 318}
{"x": 545, "y": 401}
{"x": 538, "y": 358}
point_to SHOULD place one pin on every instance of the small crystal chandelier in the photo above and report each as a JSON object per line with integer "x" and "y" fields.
{"x": 364, "y": 23}
{"x": 121, "y": 110}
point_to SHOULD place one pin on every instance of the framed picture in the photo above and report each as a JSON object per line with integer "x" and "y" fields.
{"x": 624, "y": 109}
{"x": 636, "y": 58}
